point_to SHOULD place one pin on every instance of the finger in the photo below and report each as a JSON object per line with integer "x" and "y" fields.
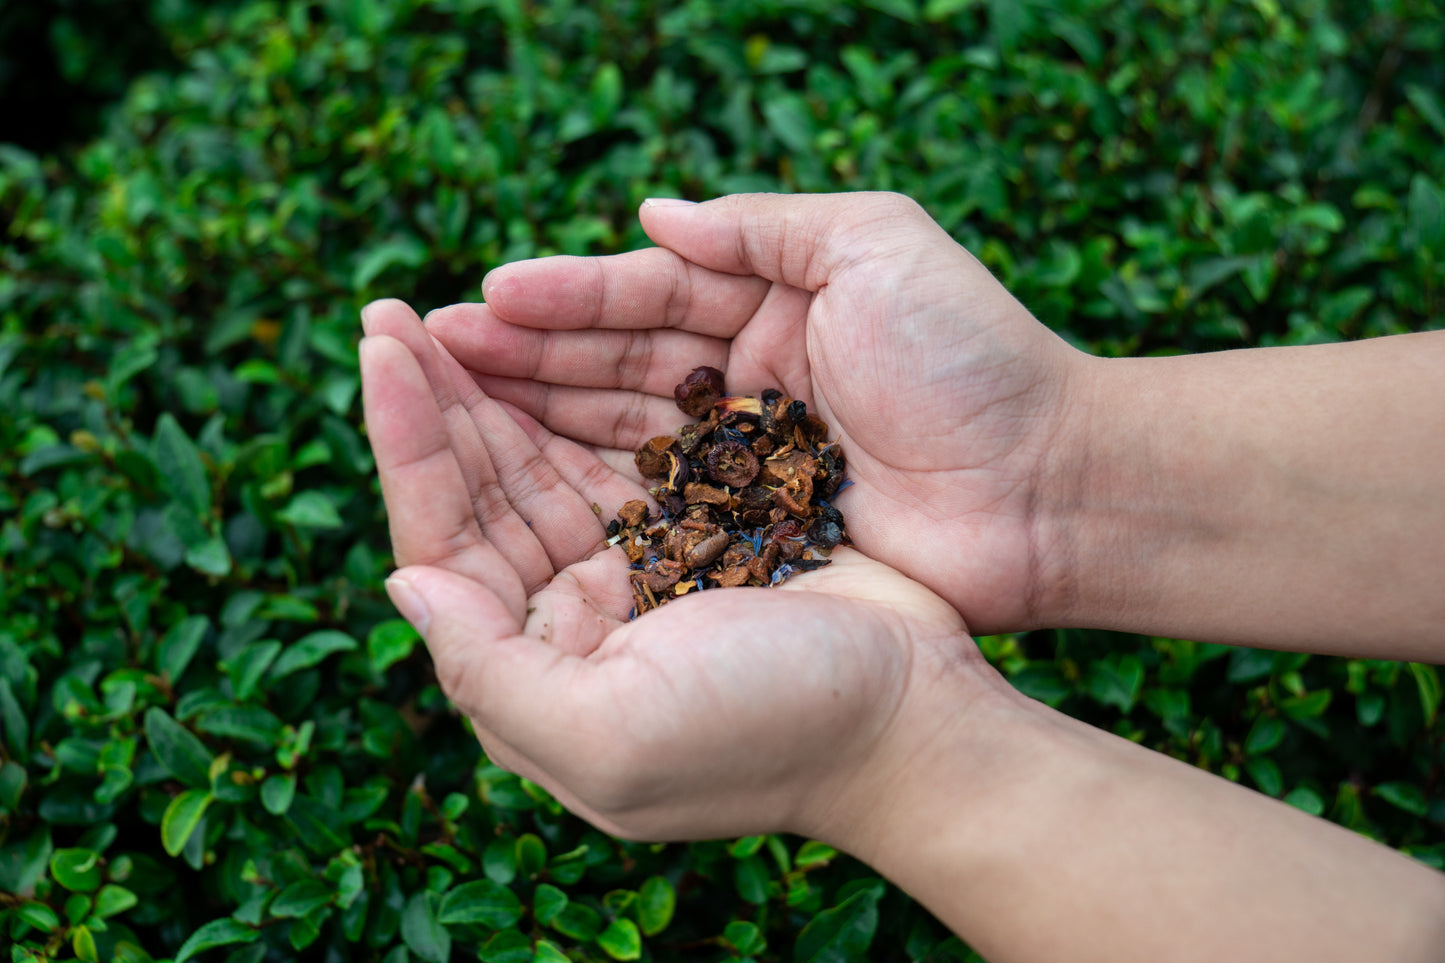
{"x": 651, "y": 288}
{"x": 428, "y": 506}
{"x": 527, "y": 486}
{"x": 523, "y": 691}
{"x": 593, "y": 416}
{"x": 648, "y": 361}
{"x": 605, "y": 477}
{"x": 801, "y": 240}
{"x": 463, "y": 408}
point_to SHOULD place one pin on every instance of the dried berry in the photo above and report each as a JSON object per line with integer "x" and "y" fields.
{"x": 699, "y": 391}
{"x": 732, "y": 463}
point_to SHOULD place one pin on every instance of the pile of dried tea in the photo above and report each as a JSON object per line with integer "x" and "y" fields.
{"x": 742, "y": 495}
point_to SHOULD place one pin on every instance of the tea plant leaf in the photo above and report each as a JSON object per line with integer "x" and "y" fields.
{"x": 182, "y": 472}
{"x": 481, "y": 901}
{"x": 178, "y": 749}
{"x": 182, "y": 817}
{"x": 424, "y": 935}
{"x": 842, "y": 933}
{"x": 222, "y": 932}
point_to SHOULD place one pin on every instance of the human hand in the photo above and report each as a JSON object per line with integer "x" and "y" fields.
{"x": 726, "y": 712}
{"x": 949, "y": 398}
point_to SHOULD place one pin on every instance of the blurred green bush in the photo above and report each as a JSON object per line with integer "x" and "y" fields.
{"x": 217, "y": 736}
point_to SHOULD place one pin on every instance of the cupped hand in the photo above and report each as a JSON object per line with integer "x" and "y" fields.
{"x": 950, "y": 400}
{"x": 725, "y": 712}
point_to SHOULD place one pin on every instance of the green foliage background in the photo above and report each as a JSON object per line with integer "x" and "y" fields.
{"x": 218, "y": 741}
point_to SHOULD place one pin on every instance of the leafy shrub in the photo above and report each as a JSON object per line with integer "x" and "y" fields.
{"x": 216, "y": 734}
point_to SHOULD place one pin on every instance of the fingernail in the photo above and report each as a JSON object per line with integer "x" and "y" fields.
{"x": 408, "y": 602}
{"x": 667, "y": 202}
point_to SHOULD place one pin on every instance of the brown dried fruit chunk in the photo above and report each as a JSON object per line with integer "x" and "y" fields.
{"x": 652, "y": 458}
{"x": 633, "y": 513}
{"x": 698, "y": 493}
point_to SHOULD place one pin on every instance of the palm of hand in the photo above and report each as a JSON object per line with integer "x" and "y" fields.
{"x": 706, "y": 717}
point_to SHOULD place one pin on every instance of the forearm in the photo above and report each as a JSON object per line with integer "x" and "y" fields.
{"x": 1058, "y": 842}
{"x": 1286, "y": 497}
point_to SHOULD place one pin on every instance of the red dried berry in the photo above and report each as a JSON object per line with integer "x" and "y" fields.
{"x": 699, "y": 391}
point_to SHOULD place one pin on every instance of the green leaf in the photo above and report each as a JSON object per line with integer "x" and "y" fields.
{"x": 311, "y": 509}
{"x": 310, "y": 650}
{"x": 1306, "y": 800}
{"x": 842, "y": 933}
{"x": 481, "y": 901}
{"x": 1428, "y": 105}
{"x": 82, "y": 940}
{"x": 745, "y": 938}
{"x": 390, "y": 642}
{"x": 222, "y": 932}
{"x": 248, "y": 666}
{"x": 1264, "y": 736}
{"x": 113, "y": 899}
{"x": 400, "y": 251}
{"x": 16, "y": 723}
{"x": 508, "y": 946}
{"x": 182, "y": 473}
{"x": 13, "y": 779}
{"x": 301, "y": 897}
{"x": 549, "y": 952}
{"x": 1246, "y": 665}
{"x": 656, "y": 902}
{"x": 420, "y": 929}
{"x": 620, "y": 940}
{"x": 750, "y": 878}
{"x": 1266, "y": 775}
{"x": 579, "y": 921}
{"x": 277, "y": 792}
{"x": 248, "y": 723}
{"x": 1116, "y": 682}
{"x": 182, "y": 817}
{"x": 1427, "y": 213}
{"x": 179, "y": 646}
{"x": 210, "y": 557}
{"x": 76, "y": 869}
{"x": 1427, "y": 680}
{"x": 814, "y": 853}
{"x": 531, "y": 855}
{"x": 178, "y": 749}
{"x": 548, "y": 902}
{"x": 39, "y": 915}
{"x": 1404, "y": 795}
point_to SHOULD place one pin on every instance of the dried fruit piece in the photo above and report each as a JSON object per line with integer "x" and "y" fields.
{"x": 732, "y": 463}
{"x": 699, "y": 391}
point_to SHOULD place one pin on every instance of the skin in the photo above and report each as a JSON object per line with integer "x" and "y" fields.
{"x": 1000, "y": 477}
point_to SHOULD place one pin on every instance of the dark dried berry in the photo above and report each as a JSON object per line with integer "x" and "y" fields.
{"x": 797, "y": 411}
{"x": 732, "y": 463}
{"x": 613, "y": 527}
{"x": 699, "y": 391}
{"x": 825, "y": 532}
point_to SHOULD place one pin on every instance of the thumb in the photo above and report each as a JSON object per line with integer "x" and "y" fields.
{"x": 484, "y": 663}
{"x": 797, "y": 239}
